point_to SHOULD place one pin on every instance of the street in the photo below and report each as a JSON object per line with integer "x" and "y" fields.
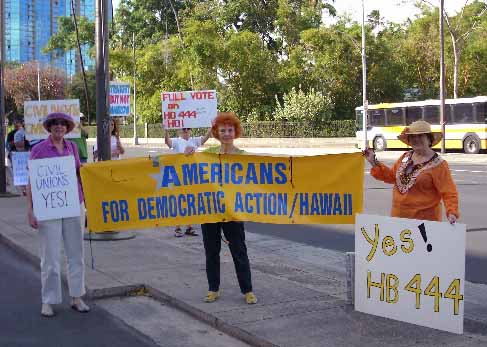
{"x": 22, "y": 324}
{"x": 136, "y": 321}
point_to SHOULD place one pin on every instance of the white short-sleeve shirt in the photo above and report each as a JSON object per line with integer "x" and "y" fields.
{"x": 179, "y": 144}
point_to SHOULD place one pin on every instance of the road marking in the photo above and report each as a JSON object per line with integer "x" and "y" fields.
{"x": 471, "y": 171}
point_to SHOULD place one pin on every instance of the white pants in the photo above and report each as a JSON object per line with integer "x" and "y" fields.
{"x": 51, "y": 233}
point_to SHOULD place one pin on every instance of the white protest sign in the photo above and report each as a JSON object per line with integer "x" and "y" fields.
{"x": 119, "y": 99}
{"x": 190, "y": 109}
{"x": 35, "y": 112}
{"x": 410, "y": 270}
{"x": 19, "y": 168}
{"x": 54, "y": 186}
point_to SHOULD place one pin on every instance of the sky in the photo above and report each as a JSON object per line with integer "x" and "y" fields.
{"x": 392, "y": 10}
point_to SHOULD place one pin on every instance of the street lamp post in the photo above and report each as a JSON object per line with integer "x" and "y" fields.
{"x": 364, "y": 82}
{"x": 136, "y": 139}
{"x": 442, "y": 78}
{"x": 38, "y": 81}
{"x": 3, "y": 171}
{"x": 102, "y": 118}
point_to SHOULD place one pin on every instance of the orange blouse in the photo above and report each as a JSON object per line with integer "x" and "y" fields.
{"x": 418, "y": 195}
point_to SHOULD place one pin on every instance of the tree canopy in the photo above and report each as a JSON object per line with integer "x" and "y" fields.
{"x": 261, "y": 55}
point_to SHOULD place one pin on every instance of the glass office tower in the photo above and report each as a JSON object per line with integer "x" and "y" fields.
{"x": 30, "y": 23}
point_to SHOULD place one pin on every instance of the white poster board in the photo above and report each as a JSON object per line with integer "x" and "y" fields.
{"x": 20, "y": 168}
{"x": 35, "y": 112}
{"x": 119, "y": 99}
{"x": 54, "y": 188}
{"x": 189, "y": 109}
{"x": 410, "y": 270}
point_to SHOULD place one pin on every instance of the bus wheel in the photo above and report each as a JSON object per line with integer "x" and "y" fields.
{"x": 380, "y": 144}
{"x": 471, "y": 145}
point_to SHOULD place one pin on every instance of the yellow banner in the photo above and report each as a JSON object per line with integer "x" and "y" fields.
{"x": 205, "y": 188}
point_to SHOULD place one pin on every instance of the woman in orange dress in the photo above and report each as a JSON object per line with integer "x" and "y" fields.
{"x": 420, "y": 176}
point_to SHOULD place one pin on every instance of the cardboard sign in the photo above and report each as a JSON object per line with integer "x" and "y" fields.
{"x": 35, "y": 112}
{"x": 119, "y": 99}
{"x": 190, "y": 109}
{"x": 410, "y": 270}
{"x": 54, "y": 186}
{"x": 20, "y": 168}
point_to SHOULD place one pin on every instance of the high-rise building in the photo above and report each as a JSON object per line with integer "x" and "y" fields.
{"x": 30, "y": 23}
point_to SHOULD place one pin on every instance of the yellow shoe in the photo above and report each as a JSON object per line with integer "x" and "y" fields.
{"x": 212, "y": 296}
{"x": 250, "y": 298}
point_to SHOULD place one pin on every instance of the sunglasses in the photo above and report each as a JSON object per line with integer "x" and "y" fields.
{"x": 186, "y": 129}
{"x": 59, "y": 122}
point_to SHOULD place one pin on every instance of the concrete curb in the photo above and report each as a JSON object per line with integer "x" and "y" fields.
{"x": 141, "y": 289}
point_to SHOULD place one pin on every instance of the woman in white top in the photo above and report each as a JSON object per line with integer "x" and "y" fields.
{"x": 187, "y": 144}
{"x": 115, "y": 144}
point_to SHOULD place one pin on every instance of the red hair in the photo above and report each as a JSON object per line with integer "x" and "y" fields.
{"x": 226, "y": 118}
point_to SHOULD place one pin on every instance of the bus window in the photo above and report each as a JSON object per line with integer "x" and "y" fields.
{"x": 481, "y": 109}
{"x": 413, "y": 114}
{"x": 449, "y": 114}
{"x": 377, "y": 117}
{"x": 359, "y": 120}
{"x": 463, "y": 113}
{"x": 432, "y": 114}
{"x": 394, "y": 116}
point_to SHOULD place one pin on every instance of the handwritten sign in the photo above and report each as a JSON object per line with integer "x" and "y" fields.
{"x": 54, "y": 187}
{"x": 20, "y": 168}
{"x": 35, "y": 112}
{"x": 119, "y": 99}
{"x": 410, "y": 270}
{"x": 190, "y": 109}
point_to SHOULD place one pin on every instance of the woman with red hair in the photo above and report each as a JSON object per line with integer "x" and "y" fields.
{"x": 226, "y": 128}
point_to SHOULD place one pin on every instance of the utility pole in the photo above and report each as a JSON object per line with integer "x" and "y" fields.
{"x": 38, "y": 81}
{"x": 102, "y": 101}
{"x": 364, "y": 81}
{"x": 3, "y": 170}
{"x": 136, "y": 139}
{"x": 103, "y": 136}
{"x": 442, "y": 78}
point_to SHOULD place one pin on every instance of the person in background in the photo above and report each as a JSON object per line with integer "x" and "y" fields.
{"x": 226, "y": 128}
{"x": 115, "y": 144}
{"x": 16, "y": 142}
{"x": 53, "y": 232}
{"x": 421, "y": 178}
{"x": 81, "y": 142}
{"x": 187, "y": 144}
{"x": 10, "y": 142}
{"x": 21, "y": 145}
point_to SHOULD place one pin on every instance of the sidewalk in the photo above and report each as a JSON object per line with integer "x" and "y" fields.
{"x": 301, "y": 289}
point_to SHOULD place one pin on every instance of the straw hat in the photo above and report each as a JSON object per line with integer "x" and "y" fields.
{"x": 416, "y": 128}
{"x": 58, "y": 115}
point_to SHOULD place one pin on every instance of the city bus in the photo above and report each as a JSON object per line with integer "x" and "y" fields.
{"x": 465, "y": 129}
